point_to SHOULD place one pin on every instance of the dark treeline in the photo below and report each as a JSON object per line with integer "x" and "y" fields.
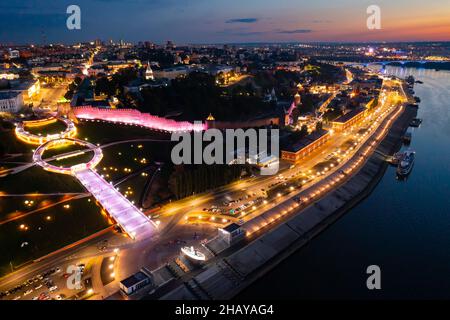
{"x": 114, "y": 85}
{"x": 186, "y": 181}
{"x": 197, "y": 95}
{"x": 326, "y": 73}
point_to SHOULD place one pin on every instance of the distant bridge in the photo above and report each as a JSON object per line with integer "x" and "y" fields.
{"x": 403, "y": 62}
{"x": 386, "y": 62}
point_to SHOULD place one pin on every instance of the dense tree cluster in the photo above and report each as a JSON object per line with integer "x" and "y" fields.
{"x": 186, "y": 181}
{"x": 197, "y": 95}
{"x": 114, "y": 85}
{"x": 325, "y": 73}
{"x": 284, "y": 82}
{"x": 72, "y": 88}
{"x": 163, "y": 57}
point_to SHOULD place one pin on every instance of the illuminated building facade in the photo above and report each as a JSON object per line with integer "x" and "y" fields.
{"x": 231, "y": 234}
{"x": 349, "y": 119}
{"x": 11, "y": 101}
{"x": 305, "y": 146}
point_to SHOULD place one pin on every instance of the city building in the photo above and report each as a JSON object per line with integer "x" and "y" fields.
{"x": 231, "y": 234}
{"x": 305, "y": 146}
{"x": 170, "y": 45}
{"x": 5, "y": 75}
{"x": 115, "y": 66}
{"x": 11, "y": 101}
{"x": 29, "y": 89}
{"x": 135, "y": 282}
{"x": 171, "y": 73}
{"x": 14, "y": 54}
{"x": 349, "y": 119}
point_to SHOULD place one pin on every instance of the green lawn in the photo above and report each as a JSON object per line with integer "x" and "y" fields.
{"x": 44, "y": 236}
{"x": 52, "y": 128}
{"x": 82, "y": 218}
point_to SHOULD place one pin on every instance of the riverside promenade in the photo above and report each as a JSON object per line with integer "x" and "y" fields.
{"x": 229, "y": 274}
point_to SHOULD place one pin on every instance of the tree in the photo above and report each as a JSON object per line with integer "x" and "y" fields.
{"x": 2, "y": 149}
{"x": 304, "y": 129}
{"x": 197, "y": 95}
{"x": 319, "y": 126}
{"x": 200, "y": 178}
{"x": 299, "y": 134}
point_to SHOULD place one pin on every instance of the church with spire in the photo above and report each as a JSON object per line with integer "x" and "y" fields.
{"x": 295, "y": 104}
{"x": 149, "y": 72}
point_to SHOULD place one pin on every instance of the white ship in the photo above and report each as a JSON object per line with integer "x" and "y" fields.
{"x": 406, "y": 164}
{"x": 193, "y": 254}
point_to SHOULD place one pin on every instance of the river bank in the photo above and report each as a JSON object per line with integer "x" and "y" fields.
{"x": 402, "y": 226}
{"x": 227, "y": 276}
{"x": 357, "y": 189}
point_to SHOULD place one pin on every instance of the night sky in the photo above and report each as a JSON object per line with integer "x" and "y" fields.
{"x": 219, "y": 21}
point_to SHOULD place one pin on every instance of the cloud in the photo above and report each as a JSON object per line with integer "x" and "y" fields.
{"x": 242, "y": 20}
{"x": 250, "y": 33}
{"x": 296, "y": 31}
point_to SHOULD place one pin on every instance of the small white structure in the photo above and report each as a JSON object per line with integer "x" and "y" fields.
{"x": 231, "y": 234}
{"x": 268, "y": 161}
{"x": 135, "y": 282}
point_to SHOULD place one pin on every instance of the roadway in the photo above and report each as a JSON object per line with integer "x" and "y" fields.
{"x": 49, "y": 97}
{"x": 152, "y": 252}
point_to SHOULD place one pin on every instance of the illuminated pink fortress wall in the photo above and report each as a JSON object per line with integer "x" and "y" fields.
{"x": 132, "y": 116}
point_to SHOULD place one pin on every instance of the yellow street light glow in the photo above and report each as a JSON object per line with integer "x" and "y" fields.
{"x": 70, "y": 156}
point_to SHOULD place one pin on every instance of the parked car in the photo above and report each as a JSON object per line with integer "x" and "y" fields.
{"x": 38, "y": 287}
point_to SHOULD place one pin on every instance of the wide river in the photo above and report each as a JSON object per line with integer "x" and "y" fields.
{"x": 403, "y": 226}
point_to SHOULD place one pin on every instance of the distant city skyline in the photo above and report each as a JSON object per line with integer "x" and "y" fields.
{"x": 217, "y": 21}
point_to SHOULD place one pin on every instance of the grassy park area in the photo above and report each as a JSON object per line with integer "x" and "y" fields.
{"x": 33, "y": 226}
{"x": 51, "y": 128}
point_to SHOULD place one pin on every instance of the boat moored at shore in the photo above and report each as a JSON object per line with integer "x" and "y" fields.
{"x": 405, "y": 165}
